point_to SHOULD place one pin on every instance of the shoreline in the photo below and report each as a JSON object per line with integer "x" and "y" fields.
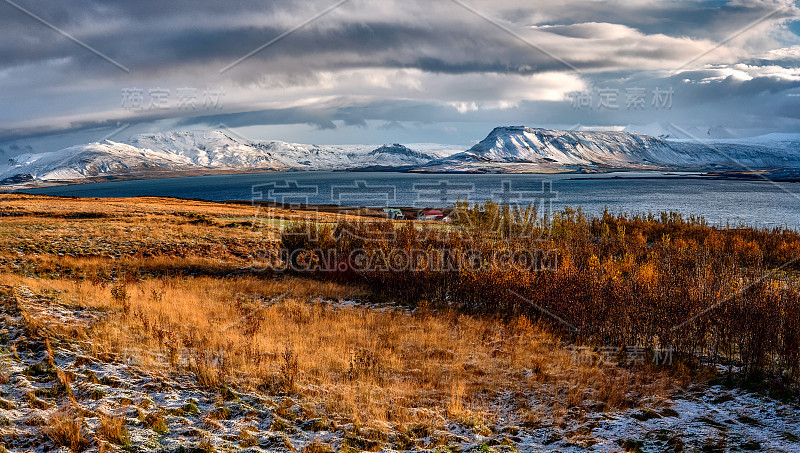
{"x": 580, "y": 174}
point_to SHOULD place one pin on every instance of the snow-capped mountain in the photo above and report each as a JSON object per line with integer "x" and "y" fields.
{"x": 209, "y": 149}
{"x": 397, "y": 149}
{"x": 215, "y": 149}
{"x": 201, "y": 150}
{"x": 93, "y": 159}
{"x": 520, "y": 148}
{"x": 505, "y": 149}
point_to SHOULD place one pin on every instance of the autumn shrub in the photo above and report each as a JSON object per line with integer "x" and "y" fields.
{"x": 708, "y": 294}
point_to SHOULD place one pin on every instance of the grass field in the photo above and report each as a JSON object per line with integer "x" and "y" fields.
{"x": 158, "y": 325}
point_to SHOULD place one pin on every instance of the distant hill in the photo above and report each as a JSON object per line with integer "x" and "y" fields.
{"x": 193, "y": 150}
{"x": 520, "y": 148}
{"x": 505, "y": 149}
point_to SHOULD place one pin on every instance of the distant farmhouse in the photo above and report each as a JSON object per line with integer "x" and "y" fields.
{"x": 394, "y": 213}
{"x": 433, "y": 215}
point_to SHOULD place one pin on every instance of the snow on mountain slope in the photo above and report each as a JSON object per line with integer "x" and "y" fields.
{"x": 178, "y": 151}
{"x": 505, "y": 149}
{"x": 343, "y": 157}
{"x": 524, "y": 144}
{"x": 215, "y": 149}
{"x": 522, "y": 148}
{"x": 93, "y": 159}
{"x": 397, "y": 151}
{"x": 210, "y": 149}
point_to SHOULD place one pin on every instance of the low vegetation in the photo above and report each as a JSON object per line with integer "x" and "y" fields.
{"x": 708, "y": 295}
{"x": 151, "y": 324}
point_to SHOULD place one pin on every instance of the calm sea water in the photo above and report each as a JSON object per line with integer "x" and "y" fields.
{"x": 756, "y": 203}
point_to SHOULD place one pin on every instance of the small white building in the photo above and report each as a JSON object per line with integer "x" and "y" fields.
{"x": 394, "y": 213}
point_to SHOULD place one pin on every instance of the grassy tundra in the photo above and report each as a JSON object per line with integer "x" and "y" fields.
{"x": 162, "y": 324}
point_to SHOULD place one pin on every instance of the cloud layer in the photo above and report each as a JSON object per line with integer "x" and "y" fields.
{"x": 391, "y": 65}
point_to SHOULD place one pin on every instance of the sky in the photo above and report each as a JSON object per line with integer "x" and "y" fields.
{"x": 365, "y": 71}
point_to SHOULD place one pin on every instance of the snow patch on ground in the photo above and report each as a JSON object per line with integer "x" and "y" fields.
{"x": 705, "y": 418}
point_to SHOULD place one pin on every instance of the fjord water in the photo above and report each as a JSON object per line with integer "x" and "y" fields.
{"x": 734, "y": 202}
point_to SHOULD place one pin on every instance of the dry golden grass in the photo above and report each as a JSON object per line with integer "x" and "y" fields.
{"x": 91, "y": 238}
{"x": 112, "y": 429}
{"x": 65, "y": 429}
{"x": 352, "y": 363}
{"x": 166, "y": 277}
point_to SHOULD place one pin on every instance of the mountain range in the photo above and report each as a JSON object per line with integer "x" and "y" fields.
{"x": 505, "y": 149}
{"x": 525, "y": 149}
{"x": 175, "y": 152}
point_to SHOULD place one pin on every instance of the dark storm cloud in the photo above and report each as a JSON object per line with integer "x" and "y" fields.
{"x": 158, "y": 48}
{"x": 163, "y": 36}
{"x": 404, "y": 111}
{"x": 319, "y": 118}
{"x": 304, "y": 78}
{"x": 740, "y": 100}
{"x": 150, "y": 33}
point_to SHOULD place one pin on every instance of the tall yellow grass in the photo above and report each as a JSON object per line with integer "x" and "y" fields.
{"x": 354, "y": 363}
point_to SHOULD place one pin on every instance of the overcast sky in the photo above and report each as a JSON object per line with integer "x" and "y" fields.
{"x": 366, "y": 71}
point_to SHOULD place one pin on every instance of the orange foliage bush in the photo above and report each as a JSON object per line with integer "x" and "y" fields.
{"x": 709, "y": 294}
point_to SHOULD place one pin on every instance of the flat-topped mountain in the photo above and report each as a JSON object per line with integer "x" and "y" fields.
{"x": 520, "y": 148}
